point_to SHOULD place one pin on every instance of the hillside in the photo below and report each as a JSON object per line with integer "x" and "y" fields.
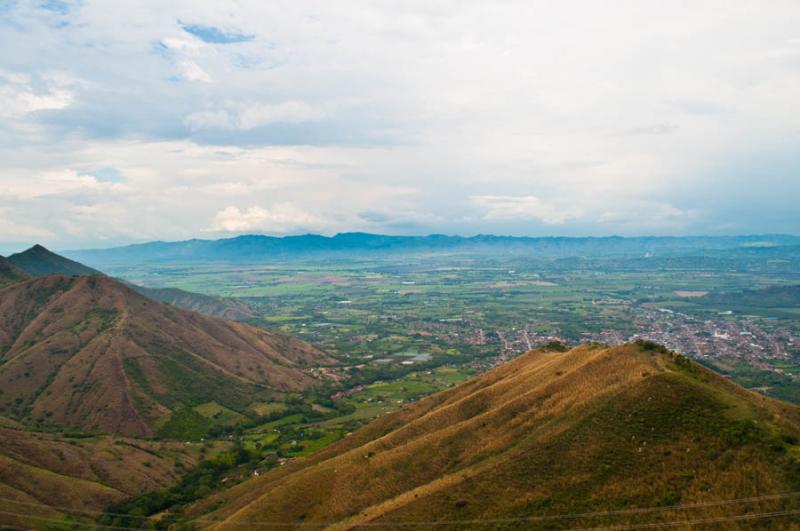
{"x": 10, "y": 273}
{"x": 593, "y": 429}
{"x": 38, "y": 261}
{"x": 220, "y": 307}
{"x": 91, "y": 353}
{"x": 44, "y": 476}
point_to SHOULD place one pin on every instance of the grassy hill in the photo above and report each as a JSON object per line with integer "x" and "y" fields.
{"x": 38, "y": 261}
{"x": 546, "y": 435}
{"x": 10, "y": 273}
{"x": 91, "y": 353}
{"x": 44, "y": 477}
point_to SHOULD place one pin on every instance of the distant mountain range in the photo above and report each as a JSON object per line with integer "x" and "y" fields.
{"x": 550, "y": 440}
{"x": 257, "y": 247}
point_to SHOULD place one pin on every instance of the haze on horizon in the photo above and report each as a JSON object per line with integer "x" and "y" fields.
{"x": 123, "y": 122}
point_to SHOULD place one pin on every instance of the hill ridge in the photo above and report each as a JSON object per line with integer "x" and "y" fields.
{"x": 588, "y": 430}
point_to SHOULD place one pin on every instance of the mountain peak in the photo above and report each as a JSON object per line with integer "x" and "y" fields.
{"x": 40, "y": 261}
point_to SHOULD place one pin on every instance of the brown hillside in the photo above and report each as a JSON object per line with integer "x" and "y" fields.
{"x": 10, "y": 273}
{"x": 43, "y": 476}
{"x": 91, "y": 353}
{"x": 547, "y": 434}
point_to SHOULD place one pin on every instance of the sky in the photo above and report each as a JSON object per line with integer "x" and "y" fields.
{"x": 125, "y": 122}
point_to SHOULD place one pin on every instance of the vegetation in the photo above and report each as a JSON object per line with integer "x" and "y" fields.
{"x": 594, "y": 429}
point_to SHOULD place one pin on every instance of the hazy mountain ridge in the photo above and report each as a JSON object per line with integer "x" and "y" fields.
{"x": 548, "y": 433}
{"x": 219, "y": 307}
{"x": 91, "y": 353}
{"x": 39, "y": 261}
{"x": 258, "y": 247}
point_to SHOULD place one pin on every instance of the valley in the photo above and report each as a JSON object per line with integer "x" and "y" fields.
{"x": 391, "y": 314}
{"x": 323, "y": 351}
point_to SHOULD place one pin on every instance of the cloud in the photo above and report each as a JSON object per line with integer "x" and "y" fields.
{"x": 651, "y": 215}
{"x": 21, "y": 95}
{"x": 279, "y": 219}
{"x": 254, "y": 115}
{"x": 59, "y": 183}
{"x": 524, "y": 207}
{"x": 518, "y": 117}
{"x": 12, "y": 231}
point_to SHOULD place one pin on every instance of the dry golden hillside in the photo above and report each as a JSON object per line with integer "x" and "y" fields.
{"x": 44, "y": 477}
{"x": 91, "y": 353}
{"x": 547, "y": 435}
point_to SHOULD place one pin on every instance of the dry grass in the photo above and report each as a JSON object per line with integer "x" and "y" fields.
{"x": 48, "y": 476}
{"x": 548, "y": 433}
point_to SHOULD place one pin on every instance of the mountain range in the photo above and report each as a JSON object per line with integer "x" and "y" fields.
{"x": 550, "y": 440}
{"x": 259, "y": 247}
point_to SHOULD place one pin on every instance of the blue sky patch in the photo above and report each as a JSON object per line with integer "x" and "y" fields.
{"x": 56, "y": 6}
{"x": 107, "y": 174}
{"x": 215, "y": 35}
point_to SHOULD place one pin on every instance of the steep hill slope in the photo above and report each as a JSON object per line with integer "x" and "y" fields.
{"x": 90, "y": 352}
{"x": 547, "y": 434}
{"x": 220, "y": 307}
{"x": 10, "y": 273}
{"x": 38, "y": 261}
{"x": 44, "y": 476}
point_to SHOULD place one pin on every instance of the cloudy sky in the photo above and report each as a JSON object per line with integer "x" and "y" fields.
{"x": 133, "y": 121}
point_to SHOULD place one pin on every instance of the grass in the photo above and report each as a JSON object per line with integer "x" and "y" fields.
{"x": 592, "y": 429}
{"x": 185, "y": 424}
{"x": 267, "y": 408}
{"x": 220, "y": 415}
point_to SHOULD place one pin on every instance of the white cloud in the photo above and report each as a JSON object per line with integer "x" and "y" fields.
{"x": 19, "y": 96}
{"x": 13, "y": 231}
{"x": 524, "y": 207}
{"x": 254, "y": 115}
{"x": 565, "y": 117}
{"x": 193, "y": 72}
{"x": 278, "y": 219}
{"x": 54, "y": 183}
{"x": 650, "y": 215}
